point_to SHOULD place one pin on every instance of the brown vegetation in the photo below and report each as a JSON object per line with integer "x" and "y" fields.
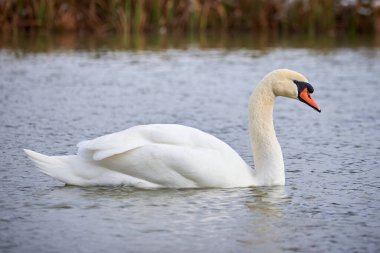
{"x": 135, "y": 16}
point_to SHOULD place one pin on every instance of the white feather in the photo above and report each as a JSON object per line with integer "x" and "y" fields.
{"x": 176, "y": 156}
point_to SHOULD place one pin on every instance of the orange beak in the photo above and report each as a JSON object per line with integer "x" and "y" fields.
{"x": 305, "y": 97}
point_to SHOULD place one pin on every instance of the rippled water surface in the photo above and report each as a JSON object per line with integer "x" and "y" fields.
{"x": 331, "y": 201}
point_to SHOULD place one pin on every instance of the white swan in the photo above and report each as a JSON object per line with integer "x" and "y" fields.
{"x": 176, "y": 156}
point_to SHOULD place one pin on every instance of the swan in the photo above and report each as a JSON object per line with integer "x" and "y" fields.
{"x": 177, "y": 156}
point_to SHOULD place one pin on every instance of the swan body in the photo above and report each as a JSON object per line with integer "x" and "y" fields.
{"x": 160, "y": 155}
{"x": 176, "y": 156}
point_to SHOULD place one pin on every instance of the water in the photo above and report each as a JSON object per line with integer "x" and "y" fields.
{"x": 51, "y": 100}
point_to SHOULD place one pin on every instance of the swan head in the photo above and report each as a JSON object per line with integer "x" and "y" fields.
{"x": 291, "y": 84}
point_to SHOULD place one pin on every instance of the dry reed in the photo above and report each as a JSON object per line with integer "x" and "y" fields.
{"x": 136, "y": 16}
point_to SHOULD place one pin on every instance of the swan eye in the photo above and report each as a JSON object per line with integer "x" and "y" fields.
{"x": 302, "y": 85}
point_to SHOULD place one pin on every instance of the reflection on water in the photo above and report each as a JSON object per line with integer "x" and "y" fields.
{"x": 156, "y": 42}
{"x": 268, "y": 201}
{"x": 266, "y": 205}
{"x": 50, "y": 101}
{"x": 211, "y": 214}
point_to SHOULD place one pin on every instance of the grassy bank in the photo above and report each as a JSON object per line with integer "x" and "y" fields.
{"x": 311, "y": 17}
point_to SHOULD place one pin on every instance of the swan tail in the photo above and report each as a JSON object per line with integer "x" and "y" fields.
{"x": 73, "y": 170}
{"x": 53, "y": 166}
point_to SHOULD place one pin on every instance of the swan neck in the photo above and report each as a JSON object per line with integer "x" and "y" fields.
{"x": 267, "y": 154}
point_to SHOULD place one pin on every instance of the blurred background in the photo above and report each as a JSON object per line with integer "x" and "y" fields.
{"x": 137, "y": 23}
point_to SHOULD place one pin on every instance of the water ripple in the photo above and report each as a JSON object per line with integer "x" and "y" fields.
{"x": 49, "y": 102}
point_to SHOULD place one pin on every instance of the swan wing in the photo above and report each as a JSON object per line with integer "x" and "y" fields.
{"x": 139, "y": 136}
{"x": 168, "y": 155}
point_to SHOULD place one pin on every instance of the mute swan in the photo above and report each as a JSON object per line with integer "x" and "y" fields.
{"x": 176, "y": 156}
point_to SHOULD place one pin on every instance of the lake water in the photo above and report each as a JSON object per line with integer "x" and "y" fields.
{"x": 54, "y": 97}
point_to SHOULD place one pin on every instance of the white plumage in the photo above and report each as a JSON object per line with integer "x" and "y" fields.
{"x": 176, "y": 156}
